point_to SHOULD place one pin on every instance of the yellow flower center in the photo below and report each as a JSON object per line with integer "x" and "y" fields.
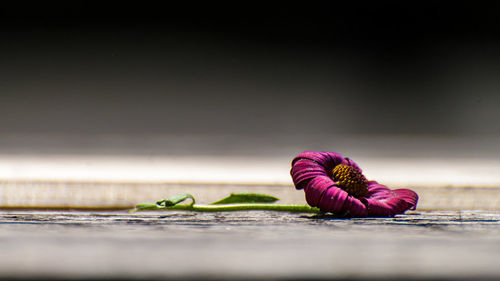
{"x": 351, "y": 180}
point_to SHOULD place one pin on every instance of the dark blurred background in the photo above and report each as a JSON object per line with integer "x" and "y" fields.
{"x": 250, "y": 68}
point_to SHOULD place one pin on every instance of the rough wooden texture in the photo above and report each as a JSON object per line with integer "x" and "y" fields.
{"x": 248, "y": 245}
{"x": 442, "y": 240}
{"x": 45, "y": 194}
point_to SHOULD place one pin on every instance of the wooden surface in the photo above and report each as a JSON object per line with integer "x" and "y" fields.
{"x": 453, "y": 235}
{"x": 116, "y": 195}
{"x": 436, "y": 245}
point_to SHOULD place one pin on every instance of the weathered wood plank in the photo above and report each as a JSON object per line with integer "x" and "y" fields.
{"x": 447, "y": 245}
{"x": 109, "y": 195}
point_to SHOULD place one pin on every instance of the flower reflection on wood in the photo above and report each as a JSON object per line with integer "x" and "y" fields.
{"x": 336, "y": 185}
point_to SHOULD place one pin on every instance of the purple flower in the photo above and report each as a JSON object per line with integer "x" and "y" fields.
{"x": 336, "y": 184}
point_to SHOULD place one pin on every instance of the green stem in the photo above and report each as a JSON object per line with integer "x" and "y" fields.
{"x": 231, "y": 208}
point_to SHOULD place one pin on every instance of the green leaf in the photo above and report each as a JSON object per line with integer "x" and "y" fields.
{"x": 239, "y": 198}
{"x": 176, "y": 200}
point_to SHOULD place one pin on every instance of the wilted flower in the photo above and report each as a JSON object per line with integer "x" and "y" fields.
{"x": 337, "y": 185}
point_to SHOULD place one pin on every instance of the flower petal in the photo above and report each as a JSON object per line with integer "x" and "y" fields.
{"x": 384, "y": 202}
{"x": 333, "y": 200}
{"x": 326, "y": 159}
{"x": 338, "y": 201}
{"x": 304, "y": 170}
{"x": 311, "y": 171}
{"x": 355, "y": 207}
{"x": 310, "y": 164}
{"x": 322, "y": 192}
{"x": 316, "y": 187}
